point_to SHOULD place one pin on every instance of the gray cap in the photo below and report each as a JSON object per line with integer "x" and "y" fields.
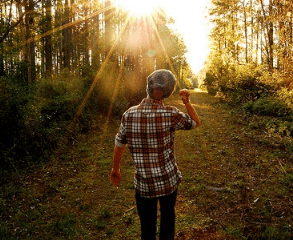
{"x": 163, "y": 80}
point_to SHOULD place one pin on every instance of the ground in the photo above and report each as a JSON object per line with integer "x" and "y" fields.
{"x": 237, "y": 184}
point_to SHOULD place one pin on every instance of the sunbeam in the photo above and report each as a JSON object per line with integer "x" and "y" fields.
{"x": 115, "y": 92}
{"x": 81, "y": 107}
{"x": 57, "y": 29}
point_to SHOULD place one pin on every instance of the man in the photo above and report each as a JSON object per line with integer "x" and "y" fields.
{"x": 149, "y": 130}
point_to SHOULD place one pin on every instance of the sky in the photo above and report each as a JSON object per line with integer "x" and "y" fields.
{"x": 192, "y": 24}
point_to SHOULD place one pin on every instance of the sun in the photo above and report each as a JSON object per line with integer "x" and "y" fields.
{"x": 138, "y": 8}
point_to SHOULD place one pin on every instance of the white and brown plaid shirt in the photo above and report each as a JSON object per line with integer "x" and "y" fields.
{"x": 149, "y": 131}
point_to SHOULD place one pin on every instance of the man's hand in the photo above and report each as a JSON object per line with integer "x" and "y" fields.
{"x": 184, "y": 93}
{"x": 115, "y": 173}
{"x": 115, "y": 177}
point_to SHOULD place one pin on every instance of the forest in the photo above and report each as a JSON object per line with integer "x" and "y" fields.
{"x": 250, "y": 64}
{"x": 64, "y": 62}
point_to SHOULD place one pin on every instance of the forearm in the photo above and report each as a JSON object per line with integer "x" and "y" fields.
{"x": 192, "y": 113}
{"x": 115, "y": 173}
{"x": 118, "y": 154}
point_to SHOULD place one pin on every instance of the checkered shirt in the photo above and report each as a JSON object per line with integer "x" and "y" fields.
{"x": 149, "y": 131}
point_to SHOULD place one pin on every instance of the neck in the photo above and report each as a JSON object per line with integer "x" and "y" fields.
{"x": 158, "y": 94}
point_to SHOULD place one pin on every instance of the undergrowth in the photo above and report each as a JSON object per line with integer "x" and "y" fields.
{"x": 34, "y": 118}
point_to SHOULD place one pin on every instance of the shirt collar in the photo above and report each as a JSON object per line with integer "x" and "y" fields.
{"x": 151, "y": 101}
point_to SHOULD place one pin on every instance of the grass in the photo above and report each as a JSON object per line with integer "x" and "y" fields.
{"x": 237, "y": 184}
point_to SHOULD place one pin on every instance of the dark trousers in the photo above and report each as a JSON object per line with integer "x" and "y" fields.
{"x": 147, "y": 211}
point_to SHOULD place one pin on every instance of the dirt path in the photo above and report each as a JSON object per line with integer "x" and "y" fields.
{"x": 235, "y": 185}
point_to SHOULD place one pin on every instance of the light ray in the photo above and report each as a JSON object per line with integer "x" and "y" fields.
{"x": 115, "y": 92}
{"x": 164, "y": 49}
{"x": 81, "y": 107}
{"x": 57, "y": 29}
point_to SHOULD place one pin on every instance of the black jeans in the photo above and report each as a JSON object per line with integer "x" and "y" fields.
{"x": 147, "y": 211}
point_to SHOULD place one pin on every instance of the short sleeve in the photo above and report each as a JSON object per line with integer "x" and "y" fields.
{"x": 183, "y": 121}
{"x": 120, "y": 138}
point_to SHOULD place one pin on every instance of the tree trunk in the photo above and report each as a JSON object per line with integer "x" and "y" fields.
{"x": 30, "y": 44}
{"x": 108, "y": 27}
{"x": 271, "y": 36}
{"x": 48, "y": 40}
{"x": 86, "y": 36}
{"x": 245, "y": 31}
{"x": 67, "y": 37}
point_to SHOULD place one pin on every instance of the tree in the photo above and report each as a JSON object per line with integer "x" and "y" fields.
{"x": 30, "y": 56}
{"x": 48, "y": 39}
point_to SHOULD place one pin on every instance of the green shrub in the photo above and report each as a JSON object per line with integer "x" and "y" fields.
{"x": 13, "y": 100}
{"x": 33, "y": 118}
{"x": 268, "y": 106}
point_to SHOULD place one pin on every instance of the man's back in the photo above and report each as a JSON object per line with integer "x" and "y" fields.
{"x": 149, "y": 131}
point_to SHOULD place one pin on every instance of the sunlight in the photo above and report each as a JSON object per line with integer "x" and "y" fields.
{"x": 138, "y": 8}
{"x": 82, "y": 105}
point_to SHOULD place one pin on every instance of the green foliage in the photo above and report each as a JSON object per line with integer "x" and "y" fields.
{"x": 254, "y": 90}
{"x": 35, "y": 118}
{"x": 236, "y": 83}
{"x": 13, "y": 100}
{"x": 286, "y": 96}
{"x": 268, "y": 106}
{"x": 209, "y": 82}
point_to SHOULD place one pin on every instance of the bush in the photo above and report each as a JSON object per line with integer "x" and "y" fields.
{"x": 269, "y": 106}
{"x": 34, "y": 118}
{"x": 210, "y": 83}
{"x": 237, "y": 83}
{"x": 13, "y": 100}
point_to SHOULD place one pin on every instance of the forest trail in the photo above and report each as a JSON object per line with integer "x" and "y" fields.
{"x": 239, "y": 176}
{"x": 236, "y": 184}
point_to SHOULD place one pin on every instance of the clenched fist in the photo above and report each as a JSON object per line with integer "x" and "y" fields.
{"x": 115, "y": 177}
{"x": 184, "y": 93}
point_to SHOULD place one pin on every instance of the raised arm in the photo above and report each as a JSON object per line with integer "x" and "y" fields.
{"x": 184, "y": 93}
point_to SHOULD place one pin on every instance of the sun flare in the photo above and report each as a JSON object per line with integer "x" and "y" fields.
{"x": 138, "y": 7}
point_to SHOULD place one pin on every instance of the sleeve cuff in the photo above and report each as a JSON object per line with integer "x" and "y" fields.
{"x": 193, "y": 125}
{"x": 119, "y": 144}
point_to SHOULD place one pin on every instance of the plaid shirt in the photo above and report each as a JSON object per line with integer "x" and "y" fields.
{"x": 149, "y": 131}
